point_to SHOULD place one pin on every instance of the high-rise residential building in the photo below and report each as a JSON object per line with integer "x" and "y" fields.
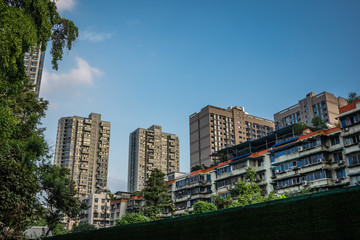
{"x": 34, "y": 63}
{"x": 83, "y": 146}
{"x": 149, "y": 149}
{"x": 324, "y": 105}
{"x": 214, "y": 128}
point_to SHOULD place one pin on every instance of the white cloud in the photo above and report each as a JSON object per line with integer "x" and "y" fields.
{"x": 69, "y": 83}
{"x": 93, "y": 36}
{"x": 65, "y": 5}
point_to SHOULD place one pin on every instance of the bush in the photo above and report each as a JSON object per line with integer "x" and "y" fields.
{"x": 201, "y": 207}
{"x": 132, "y": 218}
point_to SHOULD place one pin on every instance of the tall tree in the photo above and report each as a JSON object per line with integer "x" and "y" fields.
{"x": 58, "y": 190}
{"x": 319, "y": 123}
{"x": 352, "y": 97}
{"x": 155, "y": 194}
{"x": 24, "y": 24}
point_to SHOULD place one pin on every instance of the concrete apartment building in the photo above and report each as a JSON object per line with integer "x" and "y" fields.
{"x": 98, "y": 213}
{"x": 34, "y": 63}
{"x": 215, "y": 128}
{"x": 83, "y": 146}
{"x": 283, "y": 162}
{"x": 149, "y": 149}
{"x": 324, "y": 105}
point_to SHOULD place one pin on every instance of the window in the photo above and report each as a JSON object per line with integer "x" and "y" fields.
{"x": 96, "y": 200}
{"x": 340, "y": 174}
{"x": 260, "y": 162}
{"x": 355, "y": 180}
{"x": 335, "y": 140}
{"x": 354, "y": 160}
{"x": 338, "y": 156}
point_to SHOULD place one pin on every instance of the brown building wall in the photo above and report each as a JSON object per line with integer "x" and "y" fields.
{"x": 214, "y": 128}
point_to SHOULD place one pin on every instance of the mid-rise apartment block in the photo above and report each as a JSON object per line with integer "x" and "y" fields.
{"x": 149, "y": 149}
{"x": 214, "y": 128}
{"x": 98, "y": 213}
{"x": 324, "y": 105}
{"x": 34, "y": 63}
{"x": 83, "y": 146}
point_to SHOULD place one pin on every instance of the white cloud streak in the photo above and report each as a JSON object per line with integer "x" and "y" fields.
{"x": 69, "y": 83}
{"x": 65, "y": 5}
{"x": 94, "y": 36}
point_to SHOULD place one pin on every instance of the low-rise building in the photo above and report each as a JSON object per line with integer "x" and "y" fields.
{"x": 98, "y": 213}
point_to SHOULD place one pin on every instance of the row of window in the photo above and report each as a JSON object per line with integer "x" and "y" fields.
{"x": 300, "y": 163}
{"x": 308, "y": 177}
{"x": 351, "y": 120}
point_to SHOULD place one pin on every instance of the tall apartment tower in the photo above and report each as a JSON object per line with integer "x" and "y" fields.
{"x": 83, "y": 146}
{"x": 214, "y": 128}
{"x": 34, "y": 63}
{"x": 324, "y": 105}
{"x": 148, "y": 149}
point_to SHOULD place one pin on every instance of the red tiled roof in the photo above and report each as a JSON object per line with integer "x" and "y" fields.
{"x": 348, "y": 107}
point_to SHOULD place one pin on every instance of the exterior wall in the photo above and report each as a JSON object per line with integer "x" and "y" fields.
{"x": 34, "y": 63}
{"x": 83, "y": 146}
{"x": 149, "y": 149}
{"x": 118, "y": 206}
{"x": 350, "y": 125}
{"x": 320, "y": 160}
{"x": 324, "y": 105}
{"x": 98, "y": 213}
{"x": 215, "y": 128}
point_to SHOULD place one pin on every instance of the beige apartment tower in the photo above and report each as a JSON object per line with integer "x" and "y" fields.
{"x": 324, "y": 105}
{"x": 82, "y": 145}
{"x": 214, "y": 128}
{"x": 34, "y": 63}
{"x": 149, "y": 149}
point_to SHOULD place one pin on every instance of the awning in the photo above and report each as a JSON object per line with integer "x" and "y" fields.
{"x": 284, "y": 142}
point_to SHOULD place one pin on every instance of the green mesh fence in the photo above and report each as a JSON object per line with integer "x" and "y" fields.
{"x": 325, "y": 215}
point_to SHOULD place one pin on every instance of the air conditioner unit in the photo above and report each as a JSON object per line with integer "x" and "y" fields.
{"x": 305, "y": 183}
{"x": 277, "y": 171}
{"x": 346, "y": 129}
{"x": 300, "y": 148}
{"x": 337, "y": 180}
{"x": 341, "y": 162}
{"x": 321, "y": 159}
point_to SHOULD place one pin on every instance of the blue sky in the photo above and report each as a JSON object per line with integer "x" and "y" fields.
{"x": 140, "y": 63}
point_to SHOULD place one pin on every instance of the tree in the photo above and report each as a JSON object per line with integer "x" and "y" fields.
{"x": 59, "y": 230}
{"x": 82, "y": 227}
{"x": 24, "y": 24}
{"x": 201, "y": 207}
{"x": 222, "y": 202}
{"x": 59, "y": 195}
{"x": 299, "y": 127}
{"x": 132, "y": 218}
{"x": 319, "y": 123}
{"x": 195, "y": 168}
{"x": 155, "y": 194}
{"x": 352, "y": 97}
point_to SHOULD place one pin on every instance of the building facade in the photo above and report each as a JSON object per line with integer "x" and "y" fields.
{"x": 34, "y": 64}
{"x": 98, "y": 213}
{"x": 324, "y": 105}
{"x": 149, "y": 149}
{"x": 214, "y": 128}
{"x": 83, "y": 146}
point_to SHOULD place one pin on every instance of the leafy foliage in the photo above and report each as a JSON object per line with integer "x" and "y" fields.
{"x": 81, "y": 227}
{"x": 155, "y": 194}
{"x": 24, "y": 24}
{"x": 201, "y": 207}
{"x": 195, "y": 168}
{"x": 222, "y": 202}
{"x": 246, "y": 191}
{"x": 132, "y": 218}
{"x": 318, "y": 123}
{"x": 59, "y": 230}
{"x": 59, "y": 194}
{"x": 299, "y": 127}
{"x": 352, "y": 97}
